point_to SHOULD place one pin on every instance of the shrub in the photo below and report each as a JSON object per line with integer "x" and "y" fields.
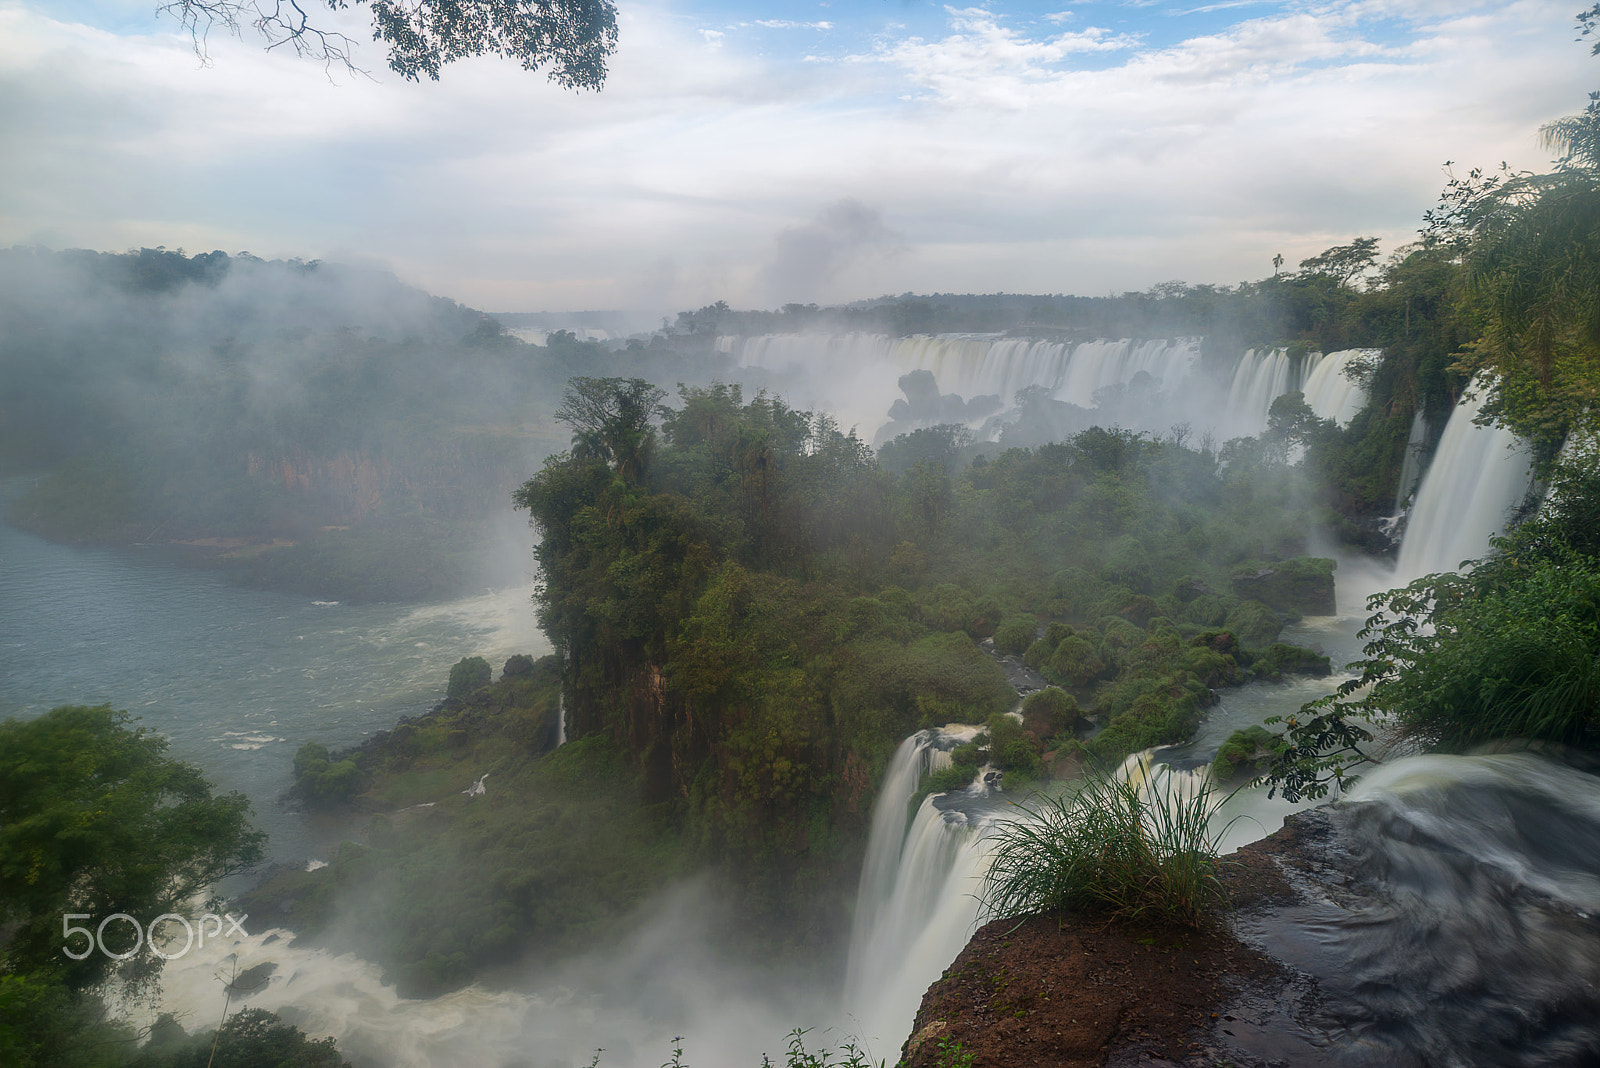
{"x": 1110, "y": 848}
{"x": 1055, "y": 709}
{"x": 1015, "y": 634}
{"x": 1246, "y": 752}
{"x": 955, "y": 777}
{"x": 1010, "y": 748}
{"x": 1073, "y": 663}
{"x": 1255, "y": 624}
{"x": 321, "y": 781}
{"x": 1282, "y": 659}
{"x": 517, "y": 664}
{"x": 469, "y": 675}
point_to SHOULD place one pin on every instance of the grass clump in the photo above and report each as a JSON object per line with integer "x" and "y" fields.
{"x": 1110, "y": 848}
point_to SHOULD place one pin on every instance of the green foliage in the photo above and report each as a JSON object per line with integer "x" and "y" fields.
{"x": 1144, "y": 712}
{"x": 1056, "y": 709}
{"x": 45, "y": 1025}
{"x": 572, "y": 39}
{"x": 1508, "y": 650}
{"x": 1074, "y": 662}
{"x": 321, "y": 781}
{"x": 760, "y": 613}
{"x": 796, "y": 1056}
{"x": 1280, "y": 659}
{"x": 1245, "y": 752}
{"x": 250, "y": 1038}
{"x": 956, "y": 777}
{"x": 469, "y": 675}
{"x": 951, "y": 1054}
{"x": 96, "y": 819}
{"x": 550, "y": 859}
{"x": 1015, "y": 634}
{"x": 1108, "y": 848}
{"x": 1255, "y": 624}
{"x": 1011, "y": 750}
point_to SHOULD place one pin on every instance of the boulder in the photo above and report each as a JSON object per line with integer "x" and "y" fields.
{"x": 1300, "y": 586}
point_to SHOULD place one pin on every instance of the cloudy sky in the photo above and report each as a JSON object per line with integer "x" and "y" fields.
{"x": 791, "y": 150}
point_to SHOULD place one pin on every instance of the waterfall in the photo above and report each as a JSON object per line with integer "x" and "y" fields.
{"x": 1411, "y": 466}
{"x": 919, "y": 900}
{"x": 1259, "y": 378}
{"x": 1330, "y": 394}
{"x": 561, "y": 720}
{"x": 1477, "y": 476}
{"x": 856, "y": 376}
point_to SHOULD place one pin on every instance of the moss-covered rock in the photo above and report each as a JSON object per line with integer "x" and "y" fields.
{"x": 1280, "y": 659}
{"x": 1255, "y": 624}
{"x": 1247, "y": 752}
{"x": 1301, "y": 586}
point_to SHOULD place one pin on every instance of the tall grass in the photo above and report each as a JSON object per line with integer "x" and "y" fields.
{"x": 1111, "y": 848}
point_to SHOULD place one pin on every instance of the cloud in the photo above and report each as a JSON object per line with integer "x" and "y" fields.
{"x": 992, "y": 154}
{"x": 985, "y": 63}
{"x": 808, "y": 260}
{"x": 789, "y": 24}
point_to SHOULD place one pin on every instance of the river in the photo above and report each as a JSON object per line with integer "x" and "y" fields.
{"x": 235, "y": 679}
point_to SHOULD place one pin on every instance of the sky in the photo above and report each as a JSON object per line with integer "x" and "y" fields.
{"x": 795, "y": 150}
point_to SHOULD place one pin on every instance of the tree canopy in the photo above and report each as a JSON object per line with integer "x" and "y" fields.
{"x": 572, "y": 39}
{"x": 96, "y": 819}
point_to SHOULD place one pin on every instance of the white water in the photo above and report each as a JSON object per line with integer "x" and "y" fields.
{"x": 632, "y": 1002}
{"x": 1477, "y": 477}
{"x": 916, "y": 905}
{"x": 1411, "y": 466}
{"x": 856, "y": 375}
{"x": 1329, "y": 392}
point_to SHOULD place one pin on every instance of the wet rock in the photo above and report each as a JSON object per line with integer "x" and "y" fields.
{"x": 1301, "y": 586}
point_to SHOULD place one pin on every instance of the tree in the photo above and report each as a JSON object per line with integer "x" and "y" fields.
{"x": 1343, "y": 262}
{"x": 1530, "y": 247}
{"x": 573, "y": 38}
{"x": 610, "y": 421}
{"x": 96, "y": 820}
{"x": 469, "y": 675}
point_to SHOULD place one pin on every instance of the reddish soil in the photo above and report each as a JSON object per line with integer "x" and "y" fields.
{"x": 1076, "y": 992}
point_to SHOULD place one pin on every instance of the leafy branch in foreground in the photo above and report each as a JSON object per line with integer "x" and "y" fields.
{"x": 1109, "y": 847}
{"x": 1509, "y": 650}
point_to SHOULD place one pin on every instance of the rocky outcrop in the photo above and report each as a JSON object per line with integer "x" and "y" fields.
{"x": 1446, "y": 927}
{"x": 1301, "y": 586}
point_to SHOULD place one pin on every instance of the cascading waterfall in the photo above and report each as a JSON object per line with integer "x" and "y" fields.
{"x": 1477, "y": 476}
{"x": 919, "y": 899}
{"x": 858, "y": 373}
{"x": 1411, "y": 465}
{"x": 1330, "y": 394}
{"x": 855, "y": 375}
{"x": 1261, "y": 376}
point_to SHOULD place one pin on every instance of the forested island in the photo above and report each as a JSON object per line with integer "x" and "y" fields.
{"x": 751, "y": 607}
